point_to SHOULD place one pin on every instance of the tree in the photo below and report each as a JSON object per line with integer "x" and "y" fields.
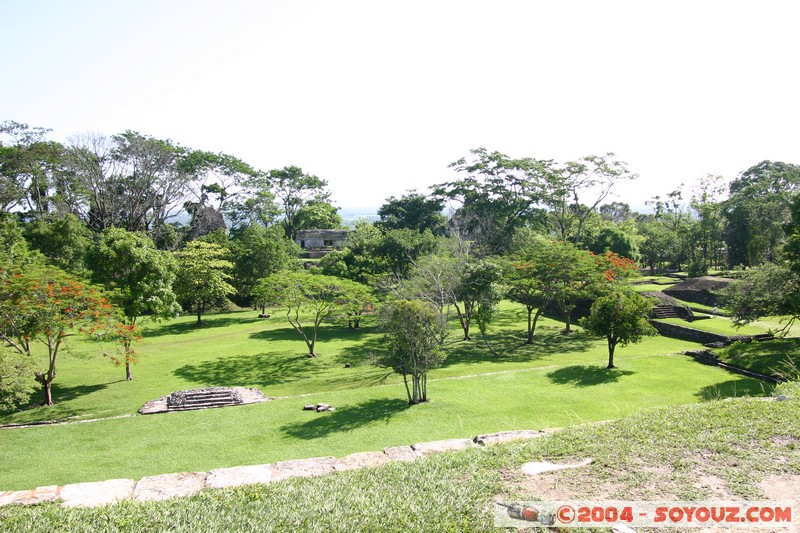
{"x": 63, "y": 240}
{"x": 318, "y": 215}
{"x": 293, "y": 190}
{"x": 476, "y": 294}
{"x": 259, "y": 251}
{"x": 413, "y": 211}
{"x": 618, "y": 238}
{"x": 771, "y": 289}
{"x": 46, "y": 305}
{"x": 31, "y": 177}
{"x": 16, "y": 379}
{"x": 302, "y": 293}
{"x": 709, "y": 231}
{"x": 139, "y": 279}
{"x": 595, "y": 174}
{"x": 356, "y": 299}
{"x": 130, "y": 180}
{"x": 202, "y": 277}
{"x": 498, "y": 195}
{"x": 414, "y": 333}
{"x": 620, "y": 317}
{"x": 757, "y": 210}
{"x": 527, "y": 288}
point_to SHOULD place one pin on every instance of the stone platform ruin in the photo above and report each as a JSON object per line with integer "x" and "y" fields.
{"x": 207, "y": 398}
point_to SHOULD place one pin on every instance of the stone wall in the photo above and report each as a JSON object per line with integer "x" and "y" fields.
{"x": 320, "y": 238}
{"x": 687, "y": 334}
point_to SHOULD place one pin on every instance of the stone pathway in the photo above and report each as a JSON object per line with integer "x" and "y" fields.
{"x": 162, "y": 487}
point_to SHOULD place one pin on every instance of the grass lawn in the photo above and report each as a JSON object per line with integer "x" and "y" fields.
{"x": 558, "y": 381}
{"x": 723, "y": 450}
{"x": 779, "y": 357}
{"x": 720, "y": 325}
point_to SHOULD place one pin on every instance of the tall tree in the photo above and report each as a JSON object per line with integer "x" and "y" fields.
{"x": 202, "y": 277}
{"x": 293, "y": 190}
{"x": 258, "y": 252}
{"x": 594, "y": 175}
{"x": 139, "y": 279}
{"x": 64, "y": 240}
{"x": 132, "y": 181}
{"x": 620, "y": 317}
{"x": 413, "y": 211}
{"x": 414, "y": 333}
{"x": 30, "y": 170}
{"x": 757, "y": 210}
{"x": 497, "y": 195}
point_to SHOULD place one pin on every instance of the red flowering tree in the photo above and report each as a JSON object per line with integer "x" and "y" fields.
{"x": 125, "y": 335}
{"x": 46, "y": 305}
{"x": 557, "y": 273}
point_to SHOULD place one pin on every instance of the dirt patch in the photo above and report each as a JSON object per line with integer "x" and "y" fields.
{"x": 560, "y": 485}
{"x": 784, "y": 487}
{"x": 717, "y": 488}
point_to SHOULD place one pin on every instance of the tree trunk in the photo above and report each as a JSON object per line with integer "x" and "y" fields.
{"x": 612, "y": 344}
{"x": 408, "y": 391}
{"x": 568, "y": 321}
{"x": 128, "y": 375}
{"x": 463, "y": 319}
{"x": 48, "y": 394}
{"x": 199, "y": 314}
{"x": 532, "y": 323}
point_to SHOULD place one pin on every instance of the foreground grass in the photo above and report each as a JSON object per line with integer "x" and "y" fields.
{"x": 659, "y": 454}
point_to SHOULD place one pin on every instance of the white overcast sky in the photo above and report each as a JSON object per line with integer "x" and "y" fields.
{"x": 378, "y": 97}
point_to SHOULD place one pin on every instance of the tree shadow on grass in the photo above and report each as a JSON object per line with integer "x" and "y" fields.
{"x": 734, "y": 388}
{"x": 262, "y": 369}
{"x": 347, "y": 418}
{"x": 212, "y": 322}
{"x": 586, "y": 376}
{"x": 511, "y": 347}
{"x": 66, "y": 394}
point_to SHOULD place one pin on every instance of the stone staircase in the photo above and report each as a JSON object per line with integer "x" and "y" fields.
{"x": 207, "y": 398}
{"x": 202, "y": 399}
{"x": 664, "y": 311}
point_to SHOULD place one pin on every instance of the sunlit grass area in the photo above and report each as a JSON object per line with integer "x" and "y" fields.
{"x": 559, "y": 380}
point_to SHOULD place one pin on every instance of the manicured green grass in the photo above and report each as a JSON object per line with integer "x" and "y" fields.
{"x": 779, "y": 357}
{"x": 557, "y": 381}
{"x": 660, "y": 454}
{"x": 720, "y": 325}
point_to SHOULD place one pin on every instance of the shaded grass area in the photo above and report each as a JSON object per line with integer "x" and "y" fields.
{"x": 778, "y": 357}
{"x": 662, "y": 454}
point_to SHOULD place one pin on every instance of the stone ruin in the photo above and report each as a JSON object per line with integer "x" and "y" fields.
{"x": 206, "y": 398}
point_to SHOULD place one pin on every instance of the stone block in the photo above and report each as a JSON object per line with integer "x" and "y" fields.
{"x": 439, "y": 446}
{"x": 401, "y": 453}
{"x": 165, "y": 486}
{"x": 239, "y": 475}
{"x": 95, "y": 494}
{"x": 361, "y": 460}
{"x": 505, "y": 436}
{"x": 315, "y": 466}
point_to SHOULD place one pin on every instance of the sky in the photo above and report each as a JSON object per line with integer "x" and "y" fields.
{"x": 379, "y": 97}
